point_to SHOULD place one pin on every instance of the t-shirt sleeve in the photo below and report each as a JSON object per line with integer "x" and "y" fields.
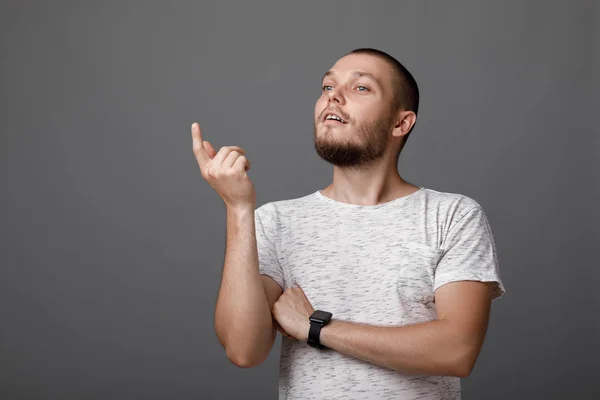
{"x": 268, "y": 261}
{"x": 469, "y": 253}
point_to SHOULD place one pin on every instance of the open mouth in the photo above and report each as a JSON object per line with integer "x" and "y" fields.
{"x": 332, "y": 118}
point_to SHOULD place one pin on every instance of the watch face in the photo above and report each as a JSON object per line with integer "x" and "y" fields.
{"x": 321, "y": 316}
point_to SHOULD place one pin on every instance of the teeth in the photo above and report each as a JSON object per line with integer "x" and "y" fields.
{"x": 334, "y": 117}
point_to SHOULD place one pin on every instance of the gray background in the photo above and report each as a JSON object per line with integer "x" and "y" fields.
{"x": 112, "y": 245}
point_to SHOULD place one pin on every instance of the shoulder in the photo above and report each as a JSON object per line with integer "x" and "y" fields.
{"x": 451, "y": 208}
{"x": 458, "y": 217}
{"x": 457, "y": 204}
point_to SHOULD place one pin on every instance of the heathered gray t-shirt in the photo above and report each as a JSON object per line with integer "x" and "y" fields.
{"x": 377, "y": 265}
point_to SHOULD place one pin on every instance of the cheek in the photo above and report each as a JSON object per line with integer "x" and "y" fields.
{"x": 367, "y": 113}
{"x": 319, "y": 106}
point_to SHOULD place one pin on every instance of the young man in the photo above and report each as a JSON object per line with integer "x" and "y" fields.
{"x": 381, "y": 289}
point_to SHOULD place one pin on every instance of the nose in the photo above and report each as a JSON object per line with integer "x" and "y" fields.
{"x": 335, "y": 95}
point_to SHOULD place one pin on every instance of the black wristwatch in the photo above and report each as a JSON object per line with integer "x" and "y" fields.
{"x": 318, "y": 319}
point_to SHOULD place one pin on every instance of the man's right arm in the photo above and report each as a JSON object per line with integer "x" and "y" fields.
{"x": 243, "y": 319}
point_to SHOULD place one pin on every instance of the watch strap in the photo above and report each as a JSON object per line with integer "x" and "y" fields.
{"x": 314, "y": 334}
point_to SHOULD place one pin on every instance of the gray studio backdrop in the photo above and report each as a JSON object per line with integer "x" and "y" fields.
{"x": 112, "y": 245}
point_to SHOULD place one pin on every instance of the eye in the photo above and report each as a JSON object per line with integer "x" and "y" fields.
{"x": 326, "y": 87}
{"x": 362, "y": 88}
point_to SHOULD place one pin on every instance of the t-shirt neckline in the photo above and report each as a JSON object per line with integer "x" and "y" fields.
{"x": 395, "y": 201}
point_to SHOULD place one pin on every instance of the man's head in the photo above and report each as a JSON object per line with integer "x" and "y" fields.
{"x": 377, "y": 100}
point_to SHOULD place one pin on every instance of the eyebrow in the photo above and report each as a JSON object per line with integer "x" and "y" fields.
{"x": 358, "y": 74}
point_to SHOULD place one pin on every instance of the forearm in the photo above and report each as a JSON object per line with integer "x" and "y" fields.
{"x": 242, "y": 317}
{"x": 431, "y": 348}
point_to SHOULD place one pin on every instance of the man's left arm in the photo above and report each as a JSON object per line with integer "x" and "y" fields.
{"x": 447, "y": 346}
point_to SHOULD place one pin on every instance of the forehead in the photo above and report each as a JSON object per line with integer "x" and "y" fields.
{"x": 367, "y": 63}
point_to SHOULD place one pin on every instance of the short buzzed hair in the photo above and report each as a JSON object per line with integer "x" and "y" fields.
{"x": 406, "y": 90}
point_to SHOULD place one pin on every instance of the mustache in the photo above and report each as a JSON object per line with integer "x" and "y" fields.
{"x": 336, "y": 110}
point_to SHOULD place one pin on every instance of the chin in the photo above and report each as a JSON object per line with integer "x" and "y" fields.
{"x": 332, "y": 130}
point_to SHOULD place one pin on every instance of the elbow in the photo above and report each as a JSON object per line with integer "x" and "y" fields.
{"x": 241, "y": 362}
{"x": 244, "y": 350}
{"x": 463, "y": 370}
{"x": 243, "y": 359}
{"x": 238, "y": 355}
{"x": 244, "y": 355}
{"x": 462, "y": 366}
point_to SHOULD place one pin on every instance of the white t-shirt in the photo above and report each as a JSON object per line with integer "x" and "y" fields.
{"x": 377, "y": 265}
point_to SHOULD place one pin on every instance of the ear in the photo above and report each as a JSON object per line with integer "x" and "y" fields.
{"x": 405, "y": 121}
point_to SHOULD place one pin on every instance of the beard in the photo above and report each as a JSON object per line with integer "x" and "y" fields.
{"x": 366, "y": 145}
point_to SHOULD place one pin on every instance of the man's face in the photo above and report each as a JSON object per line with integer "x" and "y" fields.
{"x": 358, "y": 90}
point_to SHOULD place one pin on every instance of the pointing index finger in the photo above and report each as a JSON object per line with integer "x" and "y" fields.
{"x": 197, "y": 145}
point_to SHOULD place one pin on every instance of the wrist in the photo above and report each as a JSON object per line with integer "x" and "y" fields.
{"x": 328, "y": 332}
{"x": 304, "y": 331}
{"x": 318, "y": 321}
{"x": 240, "y": 211}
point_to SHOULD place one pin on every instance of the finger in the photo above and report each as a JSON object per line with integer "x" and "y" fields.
{"x": 283, "y": 333}
{"x": 224, "y": 152}
{"x": 242, "y": 164}
{"x": 199, "y": 151}
{"x": 210, "y": 150}
{"x": 280, "y": 329}
{"x": 276, "y": 325}
{"x": 231, "y": 159}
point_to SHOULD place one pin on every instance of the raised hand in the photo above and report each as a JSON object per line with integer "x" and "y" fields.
{"x": 225, "y": 170}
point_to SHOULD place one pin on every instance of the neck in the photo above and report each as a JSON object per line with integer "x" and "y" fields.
{"x": 371, "y": 185}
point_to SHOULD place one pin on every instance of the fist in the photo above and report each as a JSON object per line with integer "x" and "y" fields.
{"x": 225, "y": 171}
{"x": 292, "y": 311}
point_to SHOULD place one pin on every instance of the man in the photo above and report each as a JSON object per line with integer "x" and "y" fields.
{"x": 381, "y": 289}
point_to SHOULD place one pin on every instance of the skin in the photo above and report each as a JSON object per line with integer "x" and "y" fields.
{"x": 243, "y": 320}
{"x": 251, "y": 308}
